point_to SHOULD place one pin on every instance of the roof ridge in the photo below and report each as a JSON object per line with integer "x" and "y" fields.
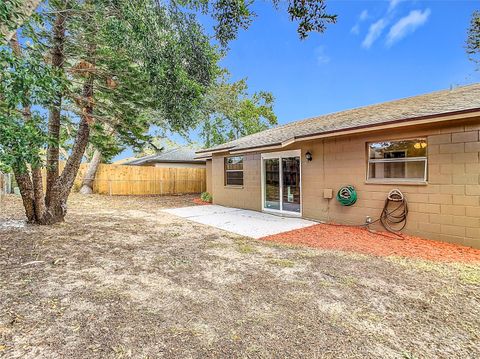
{"x": 378, "y": 104}
{"x": 168, "y": 151}
{"x": 304, "y": 120}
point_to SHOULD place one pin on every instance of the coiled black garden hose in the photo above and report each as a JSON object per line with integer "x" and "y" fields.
{"x": 394, "y": 220}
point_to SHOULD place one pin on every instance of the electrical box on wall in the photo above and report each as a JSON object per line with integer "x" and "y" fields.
{"x": 328, "y": 193}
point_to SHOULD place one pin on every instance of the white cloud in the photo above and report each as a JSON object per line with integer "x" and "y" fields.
{"x": 322, "y": 57}
{"x": 393, "y": 4}
{"x": 407, "y": 25}
{"x": 355, "y": 30}
{"x": 374, "y": 33}
{"x": 363, "y": 15}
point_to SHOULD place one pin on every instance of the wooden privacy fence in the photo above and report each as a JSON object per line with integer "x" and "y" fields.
{"x": 139, "y": 180}
{"x": 5, "y": 183}
{"x": 121, "y": 180}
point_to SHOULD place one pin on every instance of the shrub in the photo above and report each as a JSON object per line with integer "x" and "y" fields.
{"x": 206, "y": 197}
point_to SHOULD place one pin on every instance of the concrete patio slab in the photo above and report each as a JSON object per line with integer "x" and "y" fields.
{"x": 244, "y": 222}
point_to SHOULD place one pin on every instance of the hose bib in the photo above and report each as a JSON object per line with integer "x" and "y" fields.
{"x": 347, "y": 196}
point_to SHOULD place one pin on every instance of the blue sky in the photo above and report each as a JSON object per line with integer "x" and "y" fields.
{"x": 377, "y": 51}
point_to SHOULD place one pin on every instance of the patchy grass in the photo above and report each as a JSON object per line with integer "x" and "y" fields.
{"x": 122, "y": 279}
{"x": 466, "y": 273}
{"x": 349, "y": 280}
{"x": 245, "y": 248}
{"x": 409, "y": 356}
{"x": 470, "y": 275}
{"x": 286, "y": 263}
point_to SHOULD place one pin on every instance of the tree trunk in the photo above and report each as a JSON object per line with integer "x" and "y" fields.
{"x": 31, "y": 189}
{"x": 81, "y": 141}
{"x": 25, "y": 10}
{"x": 58, "y": 195}
{"x": 54, "y": 202}
{"x": 58, "y": 59}
{"x": 26, "y": 191}
{"x": 87, "y": 184}
{"x": 38, "y": 195}
{"x": 52, "y": 207}
{"x": 57, "y": 208}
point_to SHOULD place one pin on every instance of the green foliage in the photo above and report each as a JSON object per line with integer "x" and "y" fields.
{"x": 21, "y": 142}
{"x": 152, "y": 64}
{"x": 310, "y": 14}
{"x": 155, "y": 145}
{"x": 24, "y": 82}
{"x": 136, "y": 84}
{"x": 473, "y": 38}
{"x": 172, "y": 54}
{"x": 4, "y": 168}
{"x": 232, "y": 15}
{"x": 9, "y": 14}
{"x": 103, "y": 140}
{"x": 231, "y": 113}
{"x": 206, "y": 197}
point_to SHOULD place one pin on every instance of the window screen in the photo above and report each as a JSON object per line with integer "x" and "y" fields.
{"x": 234, "y": 171}
{"x": 402, "y": 160}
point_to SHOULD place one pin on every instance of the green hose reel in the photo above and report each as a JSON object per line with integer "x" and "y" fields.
{"x": 347, "y": 196}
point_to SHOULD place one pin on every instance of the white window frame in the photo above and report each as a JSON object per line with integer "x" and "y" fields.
{"x": 280, "y": 155}
{"x": 225, "y": 171}
{"x": 398, "y": 160}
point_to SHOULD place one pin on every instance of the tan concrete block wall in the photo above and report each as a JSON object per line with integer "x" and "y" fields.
{"x": 447, "y": 208}
{"x": 247, "y": 196}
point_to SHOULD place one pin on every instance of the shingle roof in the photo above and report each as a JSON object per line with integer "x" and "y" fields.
{"x": 176, "y": 155}
{"x": 459, "y": 99}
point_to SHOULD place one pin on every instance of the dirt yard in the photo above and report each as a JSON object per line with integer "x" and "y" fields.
{"x": 122, "y": 279}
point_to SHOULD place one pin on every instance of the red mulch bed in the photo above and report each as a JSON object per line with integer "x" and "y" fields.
{"x": 200, "y": 202}
{"x": 360, "y": 240}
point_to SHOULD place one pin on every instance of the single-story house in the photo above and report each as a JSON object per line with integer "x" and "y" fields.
{"x": 426, "y": 146}
{"x": 181, "y": 157}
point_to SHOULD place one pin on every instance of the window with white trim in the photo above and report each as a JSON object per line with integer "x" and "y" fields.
{"x": 400, "y": 160}
{"x": 234, "y": 171}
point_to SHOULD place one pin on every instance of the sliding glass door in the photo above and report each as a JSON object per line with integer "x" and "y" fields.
{"x": 281, "y": 182}
{"x": 272, "y": 183}
{"x": 291, "y": 184}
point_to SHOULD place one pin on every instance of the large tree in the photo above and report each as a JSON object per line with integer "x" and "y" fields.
{"x": 100, "y": 70}
{"x": 230, "y": 15}
{"x": 473, "y": 37}
{"x": 230, "y": 112}
{"x": 92, "y": 66}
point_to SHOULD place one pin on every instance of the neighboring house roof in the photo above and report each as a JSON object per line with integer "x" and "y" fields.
{"x": 176, "y": 155}
{"x": 441, "y": 103}
{"x": 123, "y": 161}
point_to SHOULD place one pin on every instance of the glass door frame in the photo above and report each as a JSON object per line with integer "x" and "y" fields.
{"x": 279, "y": 156}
